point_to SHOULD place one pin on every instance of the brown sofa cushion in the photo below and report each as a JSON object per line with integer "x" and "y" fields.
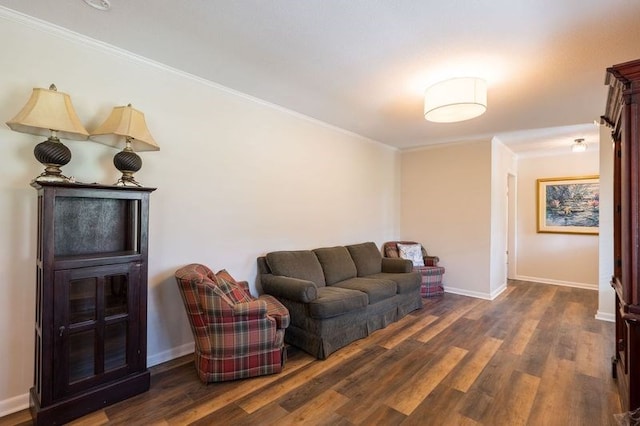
{"x": 375, "y": 289}
{"x": 334, "y": 301}
{"x": 405, "y": 282}
{"x": 367, "y": 258}
{"x": 336, "y": 263}
{"x": 302, "y": 264}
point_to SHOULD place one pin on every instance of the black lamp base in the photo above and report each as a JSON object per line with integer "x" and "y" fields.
{"x": 128, "y": 162}
{"x": 52, "y": 154}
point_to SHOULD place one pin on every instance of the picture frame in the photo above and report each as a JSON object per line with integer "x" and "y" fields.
{"x": 568, "y": 205}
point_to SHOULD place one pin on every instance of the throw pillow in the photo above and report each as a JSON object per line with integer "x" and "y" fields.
{"x": 233, "y": 291}
{"x": 225, "y": 275}
{"x": 413, "y": 252}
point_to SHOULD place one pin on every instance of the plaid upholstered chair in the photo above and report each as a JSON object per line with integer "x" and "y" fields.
{"x": 236, "y": 335}
{"x": 427, "y": 265}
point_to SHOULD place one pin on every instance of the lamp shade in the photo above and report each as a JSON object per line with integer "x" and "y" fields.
{"x": 125, "y": 123}
{"x": 457, "y": 99}
{"x": 47, "y": 110}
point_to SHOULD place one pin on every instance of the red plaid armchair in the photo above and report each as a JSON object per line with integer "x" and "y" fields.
{"x": 431, "y": 273}
{"x": 236, "y": 335}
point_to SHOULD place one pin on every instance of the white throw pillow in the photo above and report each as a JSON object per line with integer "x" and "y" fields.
{"x": 413, "y": 252}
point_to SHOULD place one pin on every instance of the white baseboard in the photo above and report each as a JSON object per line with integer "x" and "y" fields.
{"x": 13, "y": 405}
{"x": 498, "y": 291}
{"x": 170, "y": 354}
{"x": 605, "y": 316}
{"x": 465, "y": 292}
{"x": 476, "y": 294}
{"x": 558, "y": 282}
{"x": 21, "y": 402}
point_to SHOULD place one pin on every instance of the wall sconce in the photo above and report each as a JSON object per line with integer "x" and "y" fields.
{"x": 50, "y": 113}
{"x": 578, "y": 145}
{"x": 128, "y": 124}
{"x": 457, "y": 99}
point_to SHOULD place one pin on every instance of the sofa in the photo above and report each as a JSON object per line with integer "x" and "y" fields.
{"x": 336, "y": 295}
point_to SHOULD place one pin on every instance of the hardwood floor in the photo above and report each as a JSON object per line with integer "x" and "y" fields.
{"x": 534, "y": 356}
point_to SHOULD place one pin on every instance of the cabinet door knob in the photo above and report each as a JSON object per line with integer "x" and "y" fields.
{"x": 61, "y": 329}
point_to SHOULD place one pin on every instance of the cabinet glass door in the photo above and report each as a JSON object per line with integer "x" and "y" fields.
{"x": 81, "y": 328}
{"x": 116, "y": 320}
{"x": 94, "y": 324}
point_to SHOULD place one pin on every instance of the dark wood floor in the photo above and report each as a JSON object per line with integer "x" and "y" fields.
{"x": 534, "y": 356}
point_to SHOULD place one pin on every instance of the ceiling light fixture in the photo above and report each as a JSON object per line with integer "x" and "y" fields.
{"x": 457, "y": 99}
{"x": 578, "y": 145}
{"x": 99, "y": 4}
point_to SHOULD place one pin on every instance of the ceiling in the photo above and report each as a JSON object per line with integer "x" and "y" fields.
{"x": 363, "y": 65}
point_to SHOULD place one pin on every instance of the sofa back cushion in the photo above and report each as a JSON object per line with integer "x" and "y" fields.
{"x": 301, "y": 264}
{"x": 367, "y": 258}
{"x": 336, "y": 263}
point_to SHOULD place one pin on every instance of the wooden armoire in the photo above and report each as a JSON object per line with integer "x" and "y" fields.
{"x": 623, "y": 116}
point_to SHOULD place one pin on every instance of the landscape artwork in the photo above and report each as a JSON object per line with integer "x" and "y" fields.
{"x": 569, "y": 205}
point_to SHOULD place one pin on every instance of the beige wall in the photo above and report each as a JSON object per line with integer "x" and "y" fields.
{"x": 446, "y": 205}
{"x": 236, "y": 178}
{"x": 503, "y": 164}
{"x": 566, "y": 259}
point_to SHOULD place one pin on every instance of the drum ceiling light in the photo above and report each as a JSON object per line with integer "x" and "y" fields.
{"x": 457, "y": 99}
{"x": 579, "y": 145}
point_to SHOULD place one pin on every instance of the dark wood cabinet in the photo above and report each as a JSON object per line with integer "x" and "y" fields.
{"x": 623, "y": 116}
{"x": 91, "y": 299}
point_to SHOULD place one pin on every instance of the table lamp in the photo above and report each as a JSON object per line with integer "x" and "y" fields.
{"x": 50, "y": 113}
{"x": 126, "y": 124}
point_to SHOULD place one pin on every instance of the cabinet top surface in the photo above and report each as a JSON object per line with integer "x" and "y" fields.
{"x": 627, "y": 72}
{"x": 39, "y": 185}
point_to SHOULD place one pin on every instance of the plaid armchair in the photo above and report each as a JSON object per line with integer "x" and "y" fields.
{"x": 236, "y": 335}
{"x": 431, "y": 273}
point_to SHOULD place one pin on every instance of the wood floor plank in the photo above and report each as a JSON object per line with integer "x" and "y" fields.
{"x": 410, "y": 395}
{"x": 535, "y": 355}
{"x": 330, "y": 378}
{"x": 442, "y": 399}
{"x": 407, "y": 332}
{"x": 384, "y": 415}
{"x": 521, "y": 338}
{"x": 320, "y": 410}
{"x": 20, "y": 418}
{"x": 444, "y": 322}
{"x": 93, "y": 419}
{"x": 465, "y": 377}
{"x": 592, "y": 355}
{"x": 243, "y": 388}
{"x": 270, "y": 414}
{"x": 277, "y": 390}
{"x": 513, "y": 404}
{"x": 557, "y": 379}
{"x": 542, "y": 343}
{"x": 368, "y": 387}
{"x": 540, "y": 306}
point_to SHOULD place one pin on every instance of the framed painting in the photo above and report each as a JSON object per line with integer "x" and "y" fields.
{"x": 569, "y": 205}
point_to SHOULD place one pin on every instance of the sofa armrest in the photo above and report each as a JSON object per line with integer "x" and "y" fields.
{"x": 293, "y": 289}
{"x": 431, "y": 260}
{"x": 396, "y": 265}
